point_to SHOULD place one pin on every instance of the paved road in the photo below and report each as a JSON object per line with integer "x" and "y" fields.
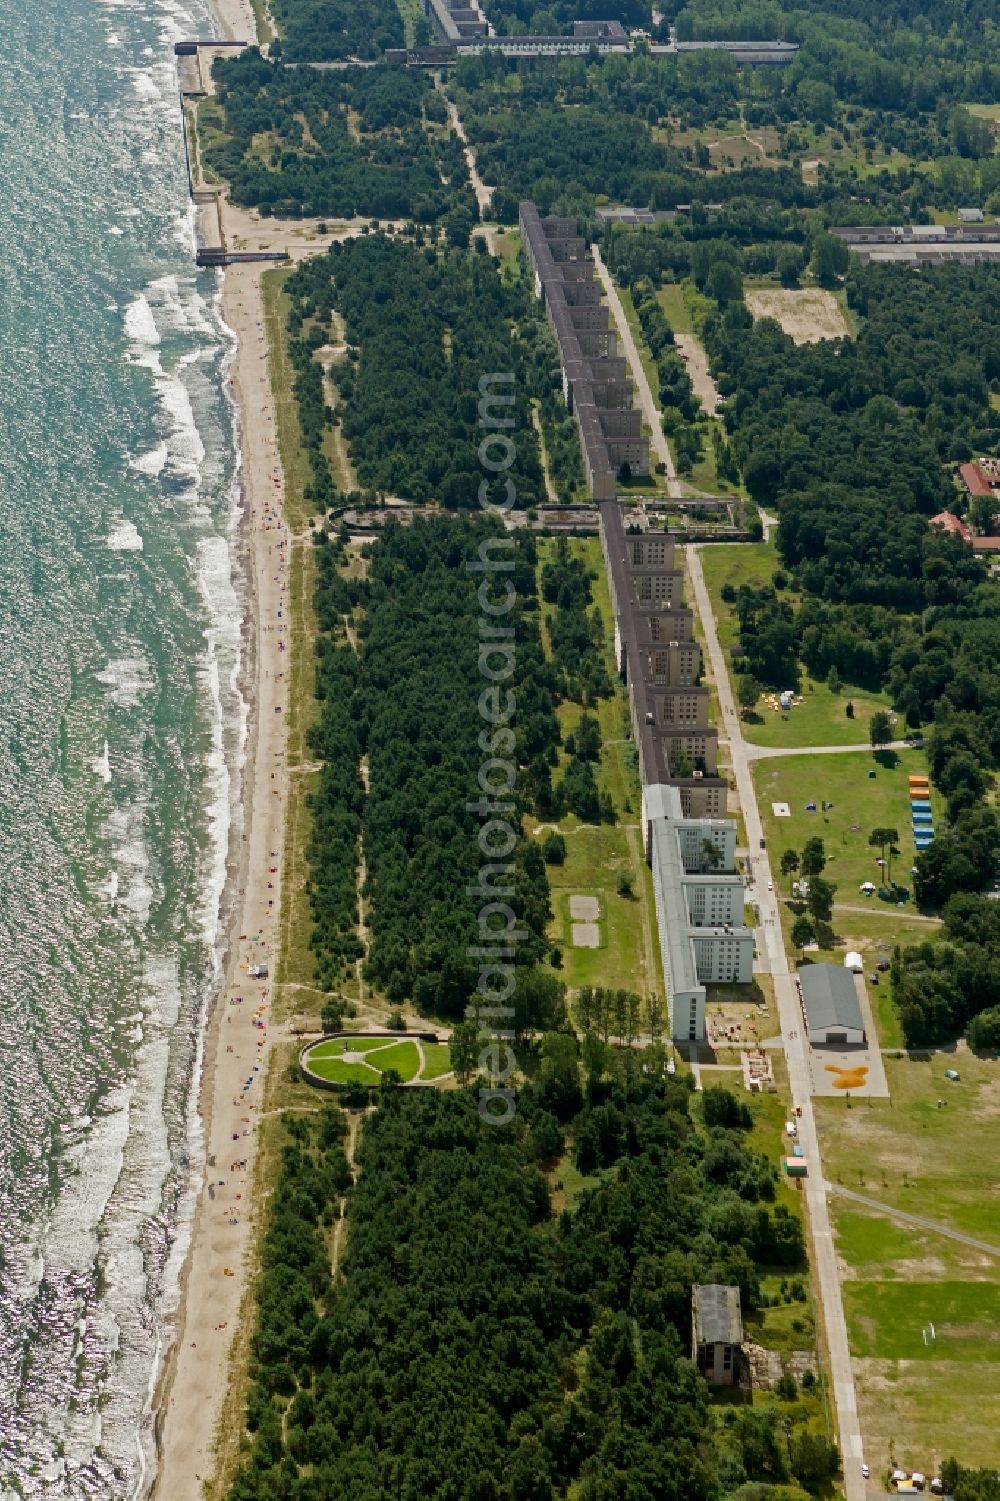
{"x": 765, "y": 752}
{"x": 914, "y": 1219}
{"x": 650, "y": 410}
{"x": 771, "y": 949}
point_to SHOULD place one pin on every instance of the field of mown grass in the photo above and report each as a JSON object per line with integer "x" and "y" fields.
{"x": 936, "y": 1161}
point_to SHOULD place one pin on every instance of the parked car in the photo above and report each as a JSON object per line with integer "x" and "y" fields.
{"x": 883, "y": 965}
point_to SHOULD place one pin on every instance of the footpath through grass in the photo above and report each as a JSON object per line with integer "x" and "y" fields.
{"x": 363, "y": 1059}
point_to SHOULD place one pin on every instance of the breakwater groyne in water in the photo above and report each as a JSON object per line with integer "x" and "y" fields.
{"x": 188, "y": 48}
{"x": 209, "y": 255}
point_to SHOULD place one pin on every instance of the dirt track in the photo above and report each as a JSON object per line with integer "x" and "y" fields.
{"x": 697, "y": 364}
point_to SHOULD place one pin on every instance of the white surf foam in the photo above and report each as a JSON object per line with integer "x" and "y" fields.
{"x": 128, "y": 678}
{"x": 185, "y": 443}
{"x": 140, "y": 326}
{"x": 102, "y": 765}
{"x": 124, "y": 537}
{"x": 180, "y": 308}
{"x": 124, "y": 831}
{"x": 145, "y": 84}
{"x": 151, "y": 463}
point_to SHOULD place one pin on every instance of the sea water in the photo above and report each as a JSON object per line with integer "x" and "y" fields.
{"x": 121, "y": 725}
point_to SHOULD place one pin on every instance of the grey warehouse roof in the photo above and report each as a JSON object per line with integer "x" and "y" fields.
{"x": 717, "y": 1319}
{"x": 829, "y": 997}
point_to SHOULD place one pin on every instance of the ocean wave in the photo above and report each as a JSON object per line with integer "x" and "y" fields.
{"x": 180, "y": 309}
{"x": 102, "y": 764}
{"x": 129, "y": 678}
{"x": 186, "y": 448}
{"x": 145, "y": 84}
{"x": 123, "y": 829}
{"x": 151, "y": 462}
{"x": 124, "y": 537}
{"x": 140, "y": 325}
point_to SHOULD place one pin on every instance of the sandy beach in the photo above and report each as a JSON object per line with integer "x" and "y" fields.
{"x": 238, "y": 1042}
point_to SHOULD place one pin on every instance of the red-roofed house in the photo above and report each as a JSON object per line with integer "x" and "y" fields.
{"x": 974, "y": 479}
{"x": 949, "y": 523}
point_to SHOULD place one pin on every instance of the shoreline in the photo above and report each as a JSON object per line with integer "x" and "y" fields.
{"x": 238, "y": 1039}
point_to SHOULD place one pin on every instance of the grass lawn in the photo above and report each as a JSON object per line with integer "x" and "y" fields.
{"x": 437, "y": 1059}
{"x": 208, "y": 121}
{"x": 924, "y": 1411}
{"x": 788, "y": 1326}
{"x": 594, "y": 857}
{"x": 913, "y": 1398}
{"x": 820, "y": 719}
{"x": 409, "y": 10}
{"x": 735, "y": 563}
{"x": 261, "y": 14}
{"x": 294, "y": 460}
{"x": 339, "y": 1072}
{"x": 671, "y": 300}
{"x": 568, "y": 1183}
{"x": 380, "y": 1053}
{"x": 401, "y": 1056}
{"x": 887, "y": 1320}
{"x": 909, "y": 1153}
{"x": 508, "y": 243}
{"x": 877, "y": 1249}
{"x": 629, "y": 955}
{"x": 859, "y": 804}
{"x": 890, "y": 1033}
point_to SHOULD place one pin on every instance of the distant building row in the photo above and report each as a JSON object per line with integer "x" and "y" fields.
{"x": 924, "y": 244}
{"x": 690, "y": 844}
{"x": 462, "y": 31}
{"x": 596, "y": 384}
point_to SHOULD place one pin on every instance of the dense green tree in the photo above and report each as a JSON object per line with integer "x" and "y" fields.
{"x": 748, "y": 692}
{"x": 880, "y": 729}
{"x": 464, "y": 1049}
{"x": 820, "y": 899}
{"x": 813, "y": 859}
{"x": 447, "y": 1211}
{"x": 829, "y": 260}
{"x": 803, "y": 932}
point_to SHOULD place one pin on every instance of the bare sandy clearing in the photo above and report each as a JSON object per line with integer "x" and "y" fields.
{"x": 807, "y": 314}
